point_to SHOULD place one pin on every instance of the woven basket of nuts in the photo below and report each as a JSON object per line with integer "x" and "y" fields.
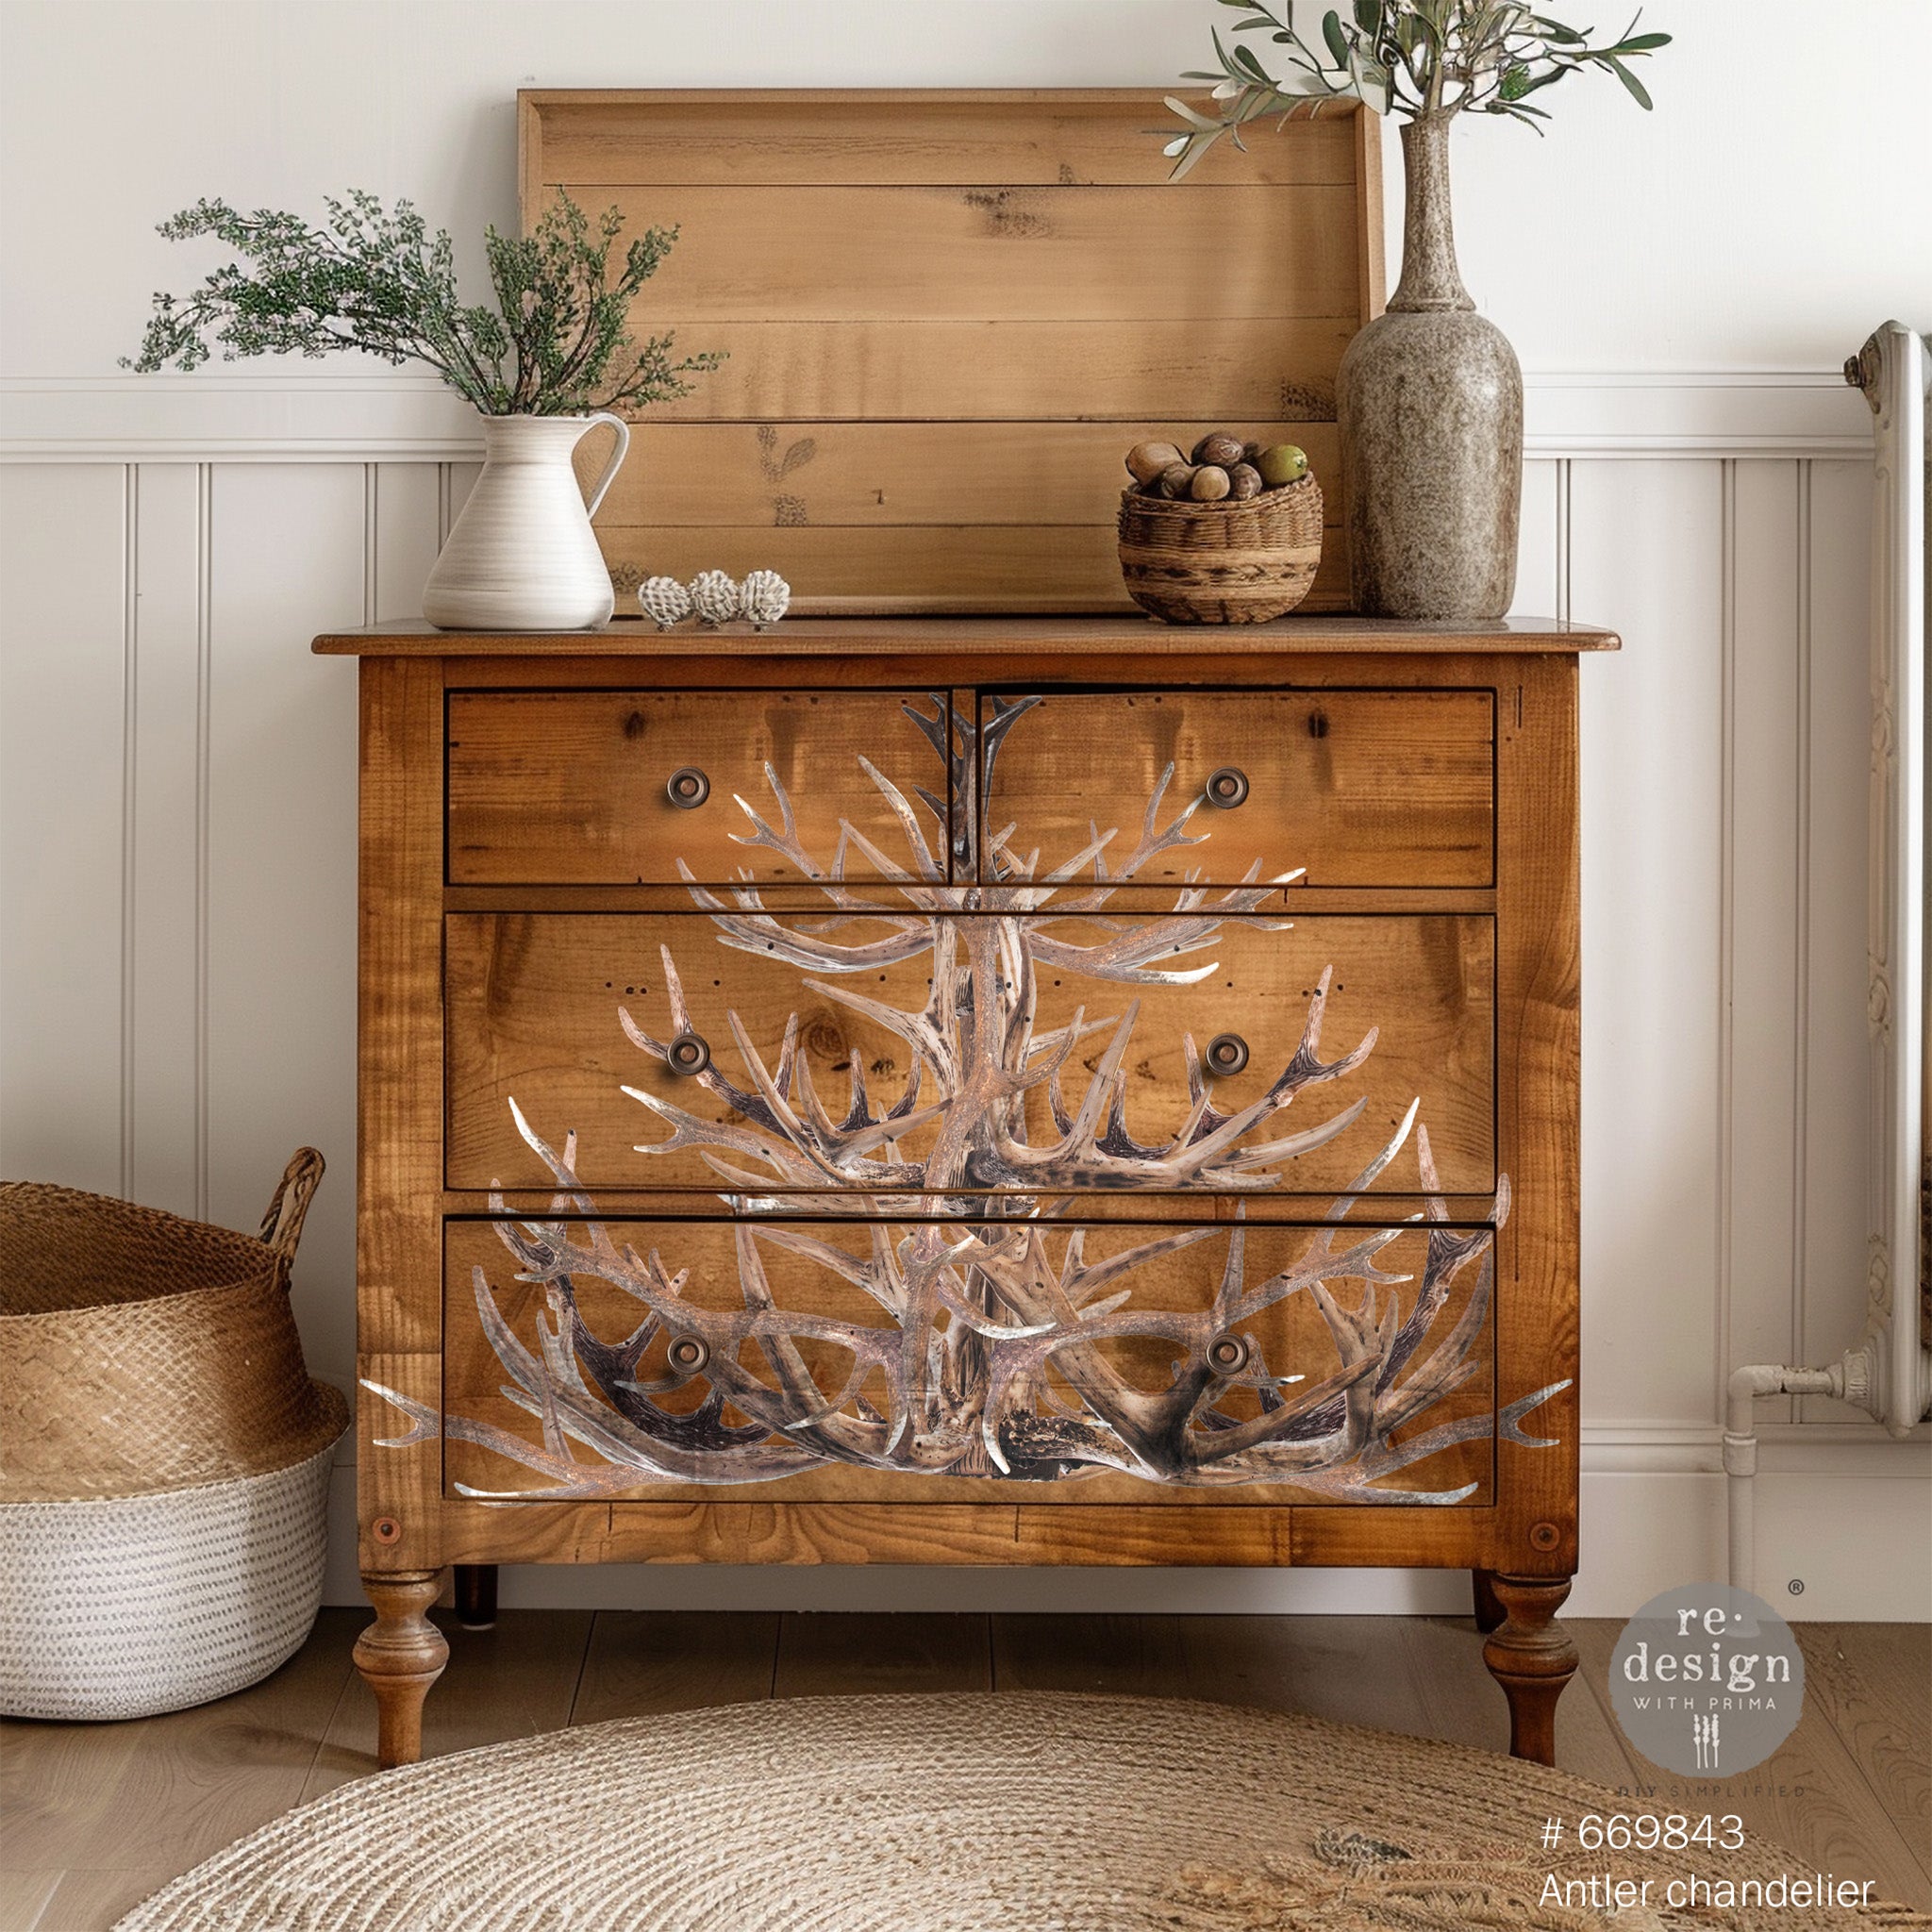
{"x": 1229, "y": 535}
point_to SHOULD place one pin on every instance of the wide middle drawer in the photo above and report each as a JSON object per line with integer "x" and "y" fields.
{"x": 535, "y": 1006}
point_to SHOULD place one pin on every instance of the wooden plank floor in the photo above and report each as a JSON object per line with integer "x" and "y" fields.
{"x": 94, "y": 1817}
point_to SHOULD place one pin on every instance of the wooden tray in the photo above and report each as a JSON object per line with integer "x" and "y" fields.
{"x": 948, "y": 315}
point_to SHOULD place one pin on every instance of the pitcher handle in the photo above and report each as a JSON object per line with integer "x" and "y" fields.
{"x": 616, "y": 455}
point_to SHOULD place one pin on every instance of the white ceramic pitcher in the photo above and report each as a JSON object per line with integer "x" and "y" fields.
{"x": 522, "y": 555}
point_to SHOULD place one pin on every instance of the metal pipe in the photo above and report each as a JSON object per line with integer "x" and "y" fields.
{"x": 1741, "y": 1441}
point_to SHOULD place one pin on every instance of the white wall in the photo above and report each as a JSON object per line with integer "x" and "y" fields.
{"x": 177, "y": 774}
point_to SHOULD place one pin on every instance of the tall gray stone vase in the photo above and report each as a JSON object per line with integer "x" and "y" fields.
{"x": 1430, "y": 401}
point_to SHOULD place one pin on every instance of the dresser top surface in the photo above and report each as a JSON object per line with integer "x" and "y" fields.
{"x": 1075, "y": 637}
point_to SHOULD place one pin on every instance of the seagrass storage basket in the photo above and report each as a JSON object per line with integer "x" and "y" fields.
{"x": 1221, "y": 562}
{"x": 164, "y": 1456}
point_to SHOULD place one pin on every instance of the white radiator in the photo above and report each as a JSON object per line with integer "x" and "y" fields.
{"x": 1893, "y": 370}
{"x": 1889, "y": 1372}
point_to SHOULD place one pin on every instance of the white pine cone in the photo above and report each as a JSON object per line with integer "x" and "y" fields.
{"x": 664, "y": 600}
{"x": 766, "y": 597}
{"x": 714, "y": 597}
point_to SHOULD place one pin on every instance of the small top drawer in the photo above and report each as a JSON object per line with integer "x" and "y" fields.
{"x": 1357, "y": 787}
{"x": 616, "y": 786}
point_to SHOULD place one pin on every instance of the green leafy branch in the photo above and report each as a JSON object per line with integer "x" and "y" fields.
{"x": 377, "y": 282}
{"x": 1405, "y": 57}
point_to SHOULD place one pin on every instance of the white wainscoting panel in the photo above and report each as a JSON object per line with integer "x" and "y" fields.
{"x": 64, "y": 537}
{"x": 177, "y": 896}
{"x": 1647, "y": 557}
{"x": 291, "y": 549}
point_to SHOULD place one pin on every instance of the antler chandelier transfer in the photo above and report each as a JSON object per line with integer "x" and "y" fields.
{"x": 999, "y": 1348}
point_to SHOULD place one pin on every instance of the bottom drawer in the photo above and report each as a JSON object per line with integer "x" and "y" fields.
{"x": 969, "y": 1360}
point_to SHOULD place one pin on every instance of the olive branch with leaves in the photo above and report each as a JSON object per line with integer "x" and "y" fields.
{"x": 1409, "y": 58}
{"x": 377, "y": 281}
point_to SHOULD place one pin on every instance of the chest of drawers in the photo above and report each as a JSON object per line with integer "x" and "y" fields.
{"x": 970, "y": 1091}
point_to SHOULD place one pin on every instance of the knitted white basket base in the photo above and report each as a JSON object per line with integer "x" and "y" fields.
{"x": 121, "y": 1606}
{"x": 938, "y": 1814}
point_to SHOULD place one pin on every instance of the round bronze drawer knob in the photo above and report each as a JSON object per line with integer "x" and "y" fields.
{"x": 1227, "y": 1053}
{"x": 687, "y": 1354}
{"x": 688, "y": 1054}
{"x": 688, "y": 788}
{"x": 1227, "y": 788}
{"x": 1227, "y": 1354}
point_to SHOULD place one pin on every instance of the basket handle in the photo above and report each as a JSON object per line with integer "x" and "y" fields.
{"x": 281, "y": 1227}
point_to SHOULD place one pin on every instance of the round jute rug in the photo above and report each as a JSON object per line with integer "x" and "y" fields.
{"x": 954, "y": 1814}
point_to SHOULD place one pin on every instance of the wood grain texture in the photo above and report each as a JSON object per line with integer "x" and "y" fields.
{"x": 1476, "y": 700}
{"x": 854, "y": 1656}
{"x": 400, "y": 1656}
{"x": 572, "y": 786}
{"x": 178, "y": 1786}
{"x": 881, "y": 252}
{"x": 1051, "y": 137}
{"x": 1540, "y": 975}
{"x": 1532, "y": 1658}
{"x": 1459, "y": 1700}
{"x": 970, "y": 567}
{"x": 1350, "y": 787}
{"x": 23, "y": 1898}
{"x": 913, "y": 373}
{"x": 513, "y": 1681}
{"x": 1811, "y": 1797}
{"x": 1291, "y": 1336}
{"x": 1344, "y": 1669}
{"x": 1018, "y": 474}
{"x": 1005, "y": 648}
{"x": 534, "y": 1004}
{"x": 1874, "y": 1683}
{"x": 95, "y": 1897}
{"x": 1026, "y": 264}
{"x": 645, "y": 1663}
{"x": 399, "y": 1087}
{"x": 1106, "y": 1656}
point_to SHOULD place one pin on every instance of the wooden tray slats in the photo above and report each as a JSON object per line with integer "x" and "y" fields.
{"x": 1038, "y": 371}
{"x": 905, "y": 137}
{"x": 993, "y": 293}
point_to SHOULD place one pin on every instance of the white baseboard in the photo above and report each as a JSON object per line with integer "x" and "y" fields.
{"x": 211, "y": 417}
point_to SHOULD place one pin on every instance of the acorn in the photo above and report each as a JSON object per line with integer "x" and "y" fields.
{"x": 1178, "y": 479}
{"x": 1220, "y": 449}
{"x": 1244, "y": 481}
{"x": 1282, "y": 462}
{"x": 1146, "y": 460}
{"x": 1210, "y": 484}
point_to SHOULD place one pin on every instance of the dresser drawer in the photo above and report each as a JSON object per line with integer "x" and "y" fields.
{"x": 535, "y": 1005}
{"x": 575, "y": 788}
{"x": 912, "y": 1360}
{"x": 1356, "y": 787}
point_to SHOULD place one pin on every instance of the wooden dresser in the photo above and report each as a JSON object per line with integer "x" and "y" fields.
{"x": 969, "y": 1091}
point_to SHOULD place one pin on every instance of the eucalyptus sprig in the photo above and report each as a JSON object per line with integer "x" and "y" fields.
{"x": 1404, "y": 57}
{"x": 377, "y": 282}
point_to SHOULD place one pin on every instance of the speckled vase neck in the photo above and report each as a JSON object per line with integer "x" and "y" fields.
{"x": 1429, "y": 398}
{"x": 1430, "y": 278}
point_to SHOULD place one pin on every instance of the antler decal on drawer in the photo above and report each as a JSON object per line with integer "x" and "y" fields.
{"x": 998, "y": 1341}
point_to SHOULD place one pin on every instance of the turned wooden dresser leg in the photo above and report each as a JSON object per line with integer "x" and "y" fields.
{"x": 475, "y": 1594}
{"x": 1532, "y": 1658}
{"x": 1489, "y": 1612}
{"x": 400, "y": 1655}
